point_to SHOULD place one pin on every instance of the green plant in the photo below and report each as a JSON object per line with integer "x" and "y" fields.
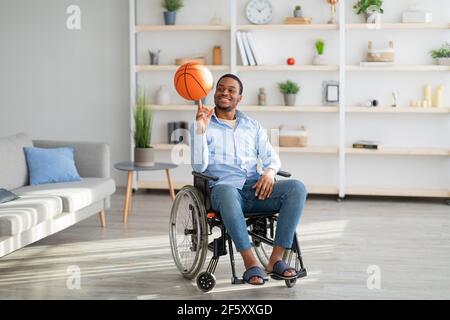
{"x": 298, "y": 8}
{"x": 362, "y": 5}
{"x": 320, "y": 46}
{"x": 442, "y": 52}
{"x": 288, "y": 87}
{"x": 142, "y": 122}
{"x": 172, "y": 5}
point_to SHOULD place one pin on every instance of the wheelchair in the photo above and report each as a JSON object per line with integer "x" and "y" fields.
{"x": 192, "y": 220}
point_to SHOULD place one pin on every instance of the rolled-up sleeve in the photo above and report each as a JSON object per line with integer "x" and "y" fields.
{"x": 266, "y": 152}
{"x": 199, "y": 150}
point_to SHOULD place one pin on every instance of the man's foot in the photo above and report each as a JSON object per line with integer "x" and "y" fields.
{"x": 255, "y": 275}
{"x": 281, "y": 270}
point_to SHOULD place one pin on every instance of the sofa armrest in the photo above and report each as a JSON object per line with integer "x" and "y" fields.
{"x": 92, "y": 159}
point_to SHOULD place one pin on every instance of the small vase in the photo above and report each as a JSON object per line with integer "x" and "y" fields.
{"x": 319, "y": 60}
{"x": 144, "y": 157}
{"x": 262, "y": 98}
{"x": 373, "y": 17}
{"x": 154, "y": 57}
{"x": 163, "y": 96}
{"x": 298, "y": 13}
{"x": 289, "y": 99}
{"x": 170, "y": 17}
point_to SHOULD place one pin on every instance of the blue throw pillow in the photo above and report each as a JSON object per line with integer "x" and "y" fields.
{"x": 51, "y": 165}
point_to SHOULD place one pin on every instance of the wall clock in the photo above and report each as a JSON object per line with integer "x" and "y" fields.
{"x": 259, "y": 11}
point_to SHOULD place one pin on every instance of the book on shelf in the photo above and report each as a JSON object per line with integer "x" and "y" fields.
{"x": 367, "y": 144}
{"x": 297, "y": 20}
{"x": 251, "y": 42}
{"x": 376, "y": 64}
{"x": 240, "y": 42}
{"x": 248, "y": 51}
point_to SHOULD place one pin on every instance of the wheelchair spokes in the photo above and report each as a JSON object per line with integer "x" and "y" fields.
{"x": 188, "y": 232}
{"x": 264, "y": 230}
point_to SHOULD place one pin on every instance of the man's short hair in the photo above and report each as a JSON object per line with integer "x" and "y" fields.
{"x": 232, "y": 76}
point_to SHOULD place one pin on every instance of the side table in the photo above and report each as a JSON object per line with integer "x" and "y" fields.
{"x": 130, "y": 167}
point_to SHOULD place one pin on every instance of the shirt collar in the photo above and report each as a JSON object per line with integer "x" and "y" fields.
{"x": 239, "y": 115}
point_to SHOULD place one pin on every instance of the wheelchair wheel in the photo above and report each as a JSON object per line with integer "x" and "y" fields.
{"x": 206, "y": 281}
{"x": 188, "y": 232}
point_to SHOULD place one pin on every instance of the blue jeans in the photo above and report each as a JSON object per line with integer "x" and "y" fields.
{"x": 288, "y": 198}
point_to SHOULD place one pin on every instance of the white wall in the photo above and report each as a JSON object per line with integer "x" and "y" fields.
{"x": 62, "y": 84}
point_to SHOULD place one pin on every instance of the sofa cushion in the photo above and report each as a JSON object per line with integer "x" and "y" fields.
{"x": 51, "y": 165}
{"x": 75, "y": 195}
{"x": 26, "y": 212}
{"x": 13, "y": 166}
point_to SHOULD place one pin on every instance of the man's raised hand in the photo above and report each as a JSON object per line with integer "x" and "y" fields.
{"x": 203, "y": 117}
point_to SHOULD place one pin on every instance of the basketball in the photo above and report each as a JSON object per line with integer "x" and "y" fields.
{"x": 193, "y": 81}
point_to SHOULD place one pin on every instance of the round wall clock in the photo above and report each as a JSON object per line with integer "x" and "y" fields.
{"x": 259, "y": 11}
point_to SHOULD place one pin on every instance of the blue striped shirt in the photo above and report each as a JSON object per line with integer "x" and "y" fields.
{"x": 232, "y": 153}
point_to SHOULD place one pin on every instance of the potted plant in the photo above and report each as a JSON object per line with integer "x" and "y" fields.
{"x": 143, "y": 151}
{"x": 371, "y": 9}
{"x": 319, "y": 58}
{"x": 290, "y": 90}
{"x": 442, "y": 55}
{"x": 172, "y": 6}
{"x": 298, "y": 12}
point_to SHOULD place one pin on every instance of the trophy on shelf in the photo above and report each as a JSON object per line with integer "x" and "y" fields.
{"x": 333, "y": 4}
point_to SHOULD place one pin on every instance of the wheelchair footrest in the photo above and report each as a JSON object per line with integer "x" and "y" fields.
{"x": 301, "y": 273}
{"x": 237, "y": 281}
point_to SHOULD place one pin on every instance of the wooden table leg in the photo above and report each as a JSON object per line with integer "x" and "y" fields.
{"x": 126, "y": 207}
{"x": 101, "y": 215}
{"x": 169, "y": 181}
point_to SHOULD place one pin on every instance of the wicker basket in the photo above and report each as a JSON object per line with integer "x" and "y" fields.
{"x": 381, "y": 55}
{"x": 293, "y": 138}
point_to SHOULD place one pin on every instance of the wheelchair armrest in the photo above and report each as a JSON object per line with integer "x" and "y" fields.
{"x": 201, "y": 182}
{"x": 204, "y": 176}
{"x": 284, "y": 173}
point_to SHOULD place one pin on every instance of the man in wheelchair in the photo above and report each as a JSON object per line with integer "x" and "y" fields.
{"x": 227, "y": 143}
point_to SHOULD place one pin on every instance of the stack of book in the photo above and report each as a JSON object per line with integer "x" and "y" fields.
{"x": 367, "y": 144}
{"x": 247, "y": 49}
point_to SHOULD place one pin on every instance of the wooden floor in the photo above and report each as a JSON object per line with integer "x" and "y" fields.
{"x": 407, "y": 240}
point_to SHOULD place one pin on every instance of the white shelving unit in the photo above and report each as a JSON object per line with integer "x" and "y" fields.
{"x": 338, "y": 157}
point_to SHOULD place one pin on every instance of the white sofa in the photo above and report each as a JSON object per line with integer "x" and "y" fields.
{"x": 45, "y": 209}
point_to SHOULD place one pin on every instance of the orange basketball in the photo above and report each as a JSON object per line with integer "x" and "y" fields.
{"x": 193, "y": 81}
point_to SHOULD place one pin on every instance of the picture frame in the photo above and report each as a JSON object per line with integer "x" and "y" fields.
{"x": 331, "y": 93}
